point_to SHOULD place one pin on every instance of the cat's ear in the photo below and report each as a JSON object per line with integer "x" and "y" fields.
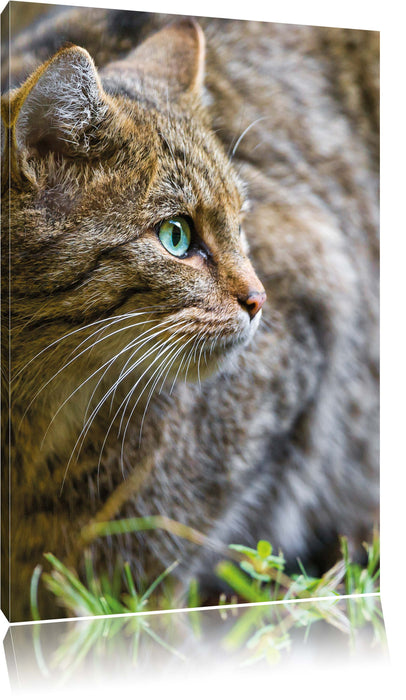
{"x": 173, "y": 58}
{"x": 58, "y": 108}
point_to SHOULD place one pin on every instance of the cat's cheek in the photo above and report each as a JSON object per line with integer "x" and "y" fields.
{"x": 197, "y": 261}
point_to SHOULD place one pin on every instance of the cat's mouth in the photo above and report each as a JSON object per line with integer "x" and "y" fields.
{"x": 235, "y": 342}
{"x": 215, "y": 343}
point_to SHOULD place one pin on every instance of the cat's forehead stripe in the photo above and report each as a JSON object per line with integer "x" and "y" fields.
{"x": 189, "y": 152}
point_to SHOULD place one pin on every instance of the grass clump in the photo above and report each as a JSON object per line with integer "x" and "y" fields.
{"x": 254, "y": 576}
{"x": 260, "y": 576}
{"x": 99, "y": 596}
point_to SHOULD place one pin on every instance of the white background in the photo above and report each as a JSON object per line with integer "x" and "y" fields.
{"x": 388, "y": 18}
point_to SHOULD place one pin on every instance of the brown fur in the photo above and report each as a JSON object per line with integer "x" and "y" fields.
{"x": 272, "y": 436}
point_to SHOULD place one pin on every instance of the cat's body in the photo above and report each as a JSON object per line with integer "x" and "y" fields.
{"x": 280, "y": 441}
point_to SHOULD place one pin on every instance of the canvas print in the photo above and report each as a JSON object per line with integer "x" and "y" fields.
{"x": 190, "y": 355}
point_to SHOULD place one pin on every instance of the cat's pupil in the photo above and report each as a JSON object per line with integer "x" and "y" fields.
{"x": 176, "y": 235}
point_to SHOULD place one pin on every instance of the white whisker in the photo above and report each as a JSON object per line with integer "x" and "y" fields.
{"x": 162, "y": 347}
{"x": 82, "y": 352}
{"x": 134, "y": 343}
{"x": 113, "y": 319}
{"x": 174, "y": 355}
{"x": 124, "y": 401}
{"x": 166, "y": 328}
{"x": 79, "y": 442}
{"x": 165, "y": 349}
{"x": 261, "y": 119}
{"x": 165, "y": 344}
{"x": 107, "y": 363}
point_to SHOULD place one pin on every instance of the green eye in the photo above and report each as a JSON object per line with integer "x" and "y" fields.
{"x": 175, "y": 235}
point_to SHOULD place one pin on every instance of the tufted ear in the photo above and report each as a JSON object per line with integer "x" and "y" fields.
{"x": 58, "y": 108}
{"x": 172, "y": 58}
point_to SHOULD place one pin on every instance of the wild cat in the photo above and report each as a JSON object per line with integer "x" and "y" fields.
{"x": 190, "y": 270}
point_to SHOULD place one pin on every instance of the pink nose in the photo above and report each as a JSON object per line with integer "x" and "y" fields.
{"x": 253, "y": 302}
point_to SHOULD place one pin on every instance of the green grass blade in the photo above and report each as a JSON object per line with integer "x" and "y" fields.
{"x": 34, "y": 592}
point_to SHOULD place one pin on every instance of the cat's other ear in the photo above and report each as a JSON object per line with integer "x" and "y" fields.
{"x": 58, "y": 108}
{"x": 173, "y": 58}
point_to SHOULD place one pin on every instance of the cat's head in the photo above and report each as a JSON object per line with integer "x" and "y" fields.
{"x": 126, "y": 214}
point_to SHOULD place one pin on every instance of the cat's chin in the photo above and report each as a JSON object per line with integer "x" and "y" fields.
{"x": 223, "y": 357}
{"x": 224, "y": 362}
